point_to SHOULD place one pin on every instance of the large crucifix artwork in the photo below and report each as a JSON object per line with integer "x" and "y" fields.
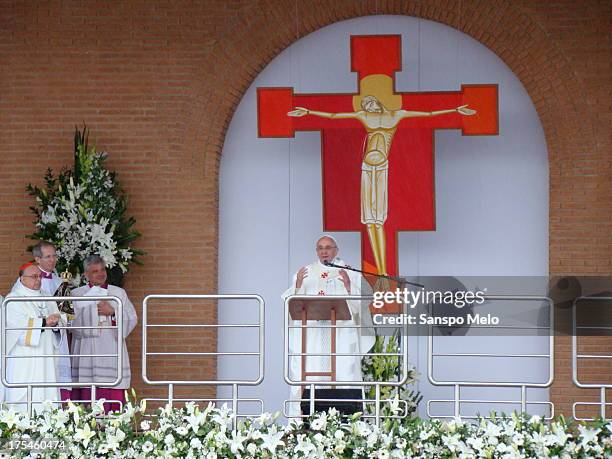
{"x": 378, "y": 146}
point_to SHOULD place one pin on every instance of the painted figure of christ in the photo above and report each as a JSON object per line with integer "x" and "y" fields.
{"x": 380, "y": 124}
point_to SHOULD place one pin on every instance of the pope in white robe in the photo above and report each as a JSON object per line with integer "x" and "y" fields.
{"x": 100, "y": 370}
{"x": 317, "y": 279}
{"x": 28, "y": 343}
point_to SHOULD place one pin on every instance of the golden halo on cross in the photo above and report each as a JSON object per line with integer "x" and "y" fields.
{"x": 381, "y": 87}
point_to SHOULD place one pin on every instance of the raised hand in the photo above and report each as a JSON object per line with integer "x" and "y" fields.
{"x": 301, "y": 275}
{"x": 299, "y": 111}
{"x": 52, "y": 320}
{"x": 345, "y": 280}
{"x": 105, "y": 309}
{"x": 465, "y": 111}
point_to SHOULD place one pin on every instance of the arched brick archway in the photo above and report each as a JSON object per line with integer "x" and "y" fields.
{"x": 502, "y": 26}
{"x": 505, "y": 28}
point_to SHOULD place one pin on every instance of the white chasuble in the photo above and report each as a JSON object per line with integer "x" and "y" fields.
{"x": 49, "y": 285}
{"x": 100, "y": 370}
{"x": 24, "y": 344}
{"x": 325, "y": 281}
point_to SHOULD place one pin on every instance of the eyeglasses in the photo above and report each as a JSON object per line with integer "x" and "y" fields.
{"x": 47, "y": 257}
{"x": 327, "y": 247}
{"x": 34, "y": 276}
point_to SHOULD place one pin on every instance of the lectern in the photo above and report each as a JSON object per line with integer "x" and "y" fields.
{"x": 332, "y": 309}
{"x": 319, "y": 308}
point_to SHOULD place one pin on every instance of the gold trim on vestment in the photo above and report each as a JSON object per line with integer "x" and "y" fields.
{"x": 28, "y": 339}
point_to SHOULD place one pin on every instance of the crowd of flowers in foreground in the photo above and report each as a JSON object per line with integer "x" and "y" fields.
{"x": 195, "y": 433}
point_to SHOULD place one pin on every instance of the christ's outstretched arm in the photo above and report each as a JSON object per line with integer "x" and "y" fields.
{"x": 462, "y": 110}
{"x": 301, "y": 111}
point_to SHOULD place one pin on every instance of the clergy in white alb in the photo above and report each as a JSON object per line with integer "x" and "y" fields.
{"x": 317, "y": 279}
{"x": 22, "y": 345}
{"x": 45, "y": 257}
{"x": 100, "y": 370}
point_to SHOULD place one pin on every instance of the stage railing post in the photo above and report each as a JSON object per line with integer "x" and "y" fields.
{"x": 377, "y": 407}
{"x": 171, "y": 394}
{"x": 457, "y": 411}
{"x": 312, "y": 399}
{"x": 235, "y": 405}
{"x": 29, "y": 399}
{"x": 575, "y": 357}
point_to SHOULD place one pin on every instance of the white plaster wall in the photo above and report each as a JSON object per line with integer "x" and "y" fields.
{"x": 491, "y": 197}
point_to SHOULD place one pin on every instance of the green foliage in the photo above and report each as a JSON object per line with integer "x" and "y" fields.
{"x": 82, "y": 211}
{"x": 388, "y": 368}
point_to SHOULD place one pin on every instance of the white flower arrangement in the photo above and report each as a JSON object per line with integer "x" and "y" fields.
{"x": 82, "y": 213}
{"x": 190, "y": 432}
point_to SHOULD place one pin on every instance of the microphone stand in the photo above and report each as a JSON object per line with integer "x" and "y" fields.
{"x": 400, "y": 281}
{"x": 397, "y": 279}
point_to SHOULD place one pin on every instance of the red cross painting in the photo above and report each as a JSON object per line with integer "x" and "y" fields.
{"x": 377, "y": 145}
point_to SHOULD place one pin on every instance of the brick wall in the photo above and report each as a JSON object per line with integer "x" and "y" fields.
{"x": 157, "y": 83}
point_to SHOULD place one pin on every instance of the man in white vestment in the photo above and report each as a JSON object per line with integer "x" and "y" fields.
{"x": 100, "y": 370}
{"x": 45, "y": 258}
{"x": 317, "y": 279}
{"x": 28, "y": 343}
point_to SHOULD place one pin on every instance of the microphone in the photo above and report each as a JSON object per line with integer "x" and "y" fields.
{"x": 380, "y": 276}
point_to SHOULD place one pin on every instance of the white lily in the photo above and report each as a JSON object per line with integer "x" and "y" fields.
{"x": 9, "y": 417}
{"x": 236, "y": 442}
{"x": 588, "y": 435}
{"x": 195, "y": 420}
{"x": 394, "y": 405}
{"x": 272, "y": 440}
{"x": 84, "y": 435}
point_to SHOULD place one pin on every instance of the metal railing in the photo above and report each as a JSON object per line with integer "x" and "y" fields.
{"x": 183, "y": 382}
{"x": 403, "y": 356}
{"x": 457, "y": 385}
{"x": 575, "y": 356}
{"x": 30, "y": 385}
{"x": 378, "y": 402}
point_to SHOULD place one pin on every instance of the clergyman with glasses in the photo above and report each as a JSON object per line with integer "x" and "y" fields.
{"x": 319, "y": 279}
{"x": 22, "y": 345}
